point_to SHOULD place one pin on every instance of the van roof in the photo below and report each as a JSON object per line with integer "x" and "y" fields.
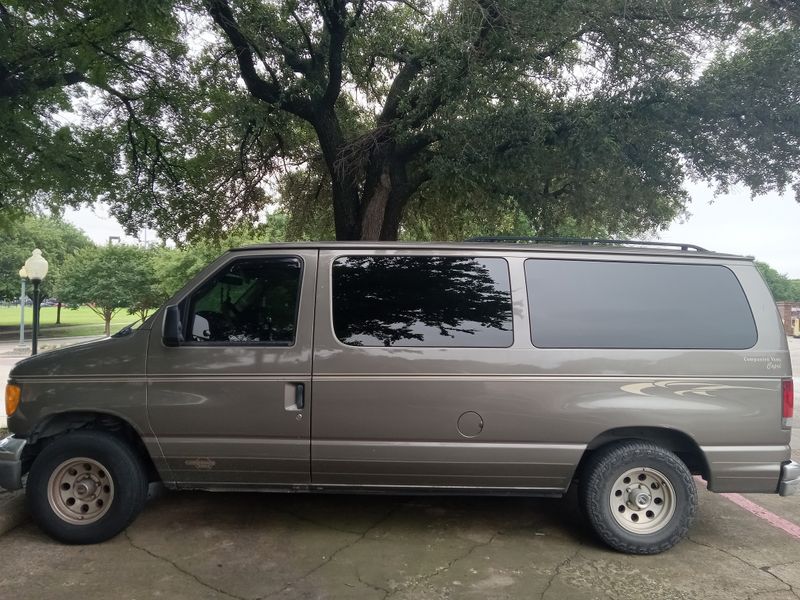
{"x": 629, "y": 248}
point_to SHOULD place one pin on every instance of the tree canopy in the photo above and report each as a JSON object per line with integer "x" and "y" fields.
{"x": 175, "y": 266}
{"x": 54, "y": 58}
{"x": 782, "y": 288}
{"x": 57, "y": 239}
{"x": 371, "y": 119}
{"x": 108, "y": 279}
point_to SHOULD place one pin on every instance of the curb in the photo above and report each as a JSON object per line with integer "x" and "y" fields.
{"x": 13, "y": 511}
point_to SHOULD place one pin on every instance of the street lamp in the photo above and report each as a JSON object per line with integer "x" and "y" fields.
{"x": 22, "y": 276}
{"x": 36, "y": 269}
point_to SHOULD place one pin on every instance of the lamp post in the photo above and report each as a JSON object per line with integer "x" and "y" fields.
{"x": 36, "y": 269}
{"x": 22, "y": 276}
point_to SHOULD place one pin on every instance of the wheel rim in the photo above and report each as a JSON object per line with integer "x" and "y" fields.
{"x": 80, "y": 491}
{"x": 642, "y": 500}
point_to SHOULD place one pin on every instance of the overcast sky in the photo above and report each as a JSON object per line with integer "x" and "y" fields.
{"x": 767, "y": 227}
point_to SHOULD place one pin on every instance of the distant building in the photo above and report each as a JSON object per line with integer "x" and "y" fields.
{"x": 787, "y": 311}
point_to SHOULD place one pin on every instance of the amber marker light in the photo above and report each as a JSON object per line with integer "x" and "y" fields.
{"x": 12, "y": 398}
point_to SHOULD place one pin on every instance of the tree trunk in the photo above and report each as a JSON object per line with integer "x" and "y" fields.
{"x": 107, "y": 316}
{"x": 371, "y": 211}
{"x": 344, "y": 188}
{"x": 390, "y": 229}
{"x": 375, "y": 208}
{"x": 384, "y": 195}
{"x": 58, "y": 313}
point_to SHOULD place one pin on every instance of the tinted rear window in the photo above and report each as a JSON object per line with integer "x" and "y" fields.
{"x": 598, "y": 304}
{"x": 422, "y": 301}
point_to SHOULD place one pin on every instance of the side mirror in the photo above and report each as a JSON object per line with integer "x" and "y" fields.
{"x": 173, "y": 330}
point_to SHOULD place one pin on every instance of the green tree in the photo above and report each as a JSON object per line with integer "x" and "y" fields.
{"x": 56, "y": 239}
{"x": 173, "y": 267}
{"x": 56, "y": 56}
{"x": 150, "y": 294}
{"x": 370, "y": 119}
{"x": 782, "y": 288}
{"x": 108, "y": 279}
{"x": 568, "y": 110}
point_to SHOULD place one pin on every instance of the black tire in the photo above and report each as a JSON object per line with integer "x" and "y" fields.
{"x": 602, "y": 474}
{"x": 117, "y": 461}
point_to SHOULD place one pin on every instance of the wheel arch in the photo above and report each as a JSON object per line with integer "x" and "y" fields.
{"x": 59, "y": 424}
{"x": 674, "y": 440}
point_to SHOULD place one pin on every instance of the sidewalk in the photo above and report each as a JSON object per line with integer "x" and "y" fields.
{"x": 12, "y": 348}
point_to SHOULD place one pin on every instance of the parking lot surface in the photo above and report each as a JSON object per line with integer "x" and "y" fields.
{"x": 246, "y": 546}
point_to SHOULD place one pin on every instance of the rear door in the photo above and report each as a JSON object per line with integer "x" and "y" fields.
{"x": 230, "y": 405}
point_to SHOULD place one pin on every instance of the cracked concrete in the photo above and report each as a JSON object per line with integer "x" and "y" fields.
{"x": 180, "y": 569}
{"x": 565, "y": 563}
{"x": 266, "y": 547}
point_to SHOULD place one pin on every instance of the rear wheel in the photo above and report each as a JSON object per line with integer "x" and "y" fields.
{"x": 86, "y": 487}
{"x": 639, "y": 497}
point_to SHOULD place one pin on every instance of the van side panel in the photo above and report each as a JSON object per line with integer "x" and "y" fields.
{"x": 389, "y": 416}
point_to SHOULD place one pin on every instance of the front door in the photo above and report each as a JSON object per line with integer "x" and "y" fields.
{"x": 230, "y": 405}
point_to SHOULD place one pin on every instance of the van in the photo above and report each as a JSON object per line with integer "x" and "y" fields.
{"x": 487, "y": 367}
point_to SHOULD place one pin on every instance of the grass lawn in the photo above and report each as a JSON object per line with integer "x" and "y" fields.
{"x": 74, "y": 322}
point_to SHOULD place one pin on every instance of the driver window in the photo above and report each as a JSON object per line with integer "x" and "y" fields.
{"x": 252, "y": 300}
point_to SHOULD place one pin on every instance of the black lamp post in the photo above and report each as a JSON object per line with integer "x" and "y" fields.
{"x": 36, "y": 269}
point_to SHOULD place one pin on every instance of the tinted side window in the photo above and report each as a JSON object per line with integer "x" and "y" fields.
{"x": 599, "y": 304}
{"x": 422, "y": 301}
{"x": 249, "y": 301}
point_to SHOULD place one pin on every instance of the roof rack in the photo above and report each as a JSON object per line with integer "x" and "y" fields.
{"x": 585, "y": 242}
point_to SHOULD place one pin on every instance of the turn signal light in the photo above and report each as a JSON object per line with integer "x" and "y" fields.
{"x": 12, "y": 398}
{"x": 787, "y": 391}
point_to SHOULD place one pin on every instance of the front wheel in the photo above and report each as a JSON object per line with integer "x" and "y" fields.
{"x": 639, "y": 497}
{"x": 86, "y": 487}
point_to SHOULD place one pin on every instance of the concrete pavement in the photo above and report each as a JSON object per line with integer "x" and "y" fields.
{"x": 245, "y": 546}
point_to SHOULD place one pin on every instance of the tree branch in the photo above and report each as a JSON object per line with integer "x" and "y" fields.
{"x": 98, "y": 311}
{"x": 417, "y": 143}
{"x": 335, "y": 18}
{"x": 220, "y": 11}
{"x": 293, "y": 59}
{"x": 399, "y": 87}
{"x": 11, "y": 87}
{"x": 491, "y": 17}
{"x": 222, "y": 15}
{"x": 306, "y": 37}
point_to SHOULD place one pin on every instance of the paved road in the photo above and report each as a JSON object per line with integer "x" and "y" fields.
{"x": 197, "y": 545}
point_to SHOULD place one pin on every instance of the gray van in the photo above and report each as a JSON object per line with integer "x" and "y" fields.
{"x": 491, "y": 368}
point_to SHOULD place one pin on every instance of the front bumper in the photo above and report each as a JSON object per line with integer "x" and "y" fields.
{"x": 11, "y": 462}
{"x": 790, "y": 479}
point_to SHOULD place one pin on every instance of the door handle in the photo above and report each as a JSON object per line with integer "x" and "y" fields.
{"x": 294, "y": 397}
